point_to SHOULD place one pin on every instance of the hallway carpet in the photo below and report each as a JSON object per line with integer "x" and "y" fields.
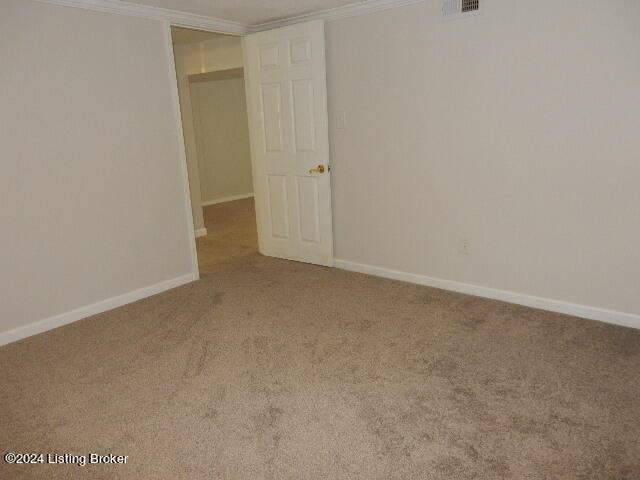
{"x": 270, "y": 369}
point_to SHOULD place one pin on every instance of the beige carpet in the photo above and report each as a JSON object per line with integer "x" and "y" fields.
{"x": 268, "y": 369}
{"x": 231, "y": 235}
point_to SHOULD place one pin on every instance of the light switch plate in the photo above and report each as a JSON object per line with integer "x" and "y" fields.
{"x": 341, "y": 120}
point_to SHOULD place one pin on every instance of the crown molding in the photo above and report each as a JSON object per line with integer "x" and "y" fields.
{"x": 179, "y": 19}
{"x": 219, "y": 25}
{"x": 351, "y": 10}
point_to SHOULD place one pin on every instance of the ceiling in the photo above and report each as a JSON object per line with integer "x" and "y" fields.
{"x": 251, "y": 12}
{"x": 181, "y": 36}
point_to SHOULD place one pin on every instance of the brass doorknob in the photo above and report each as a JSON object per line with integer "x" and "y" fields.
{"x": 319, "y": 169}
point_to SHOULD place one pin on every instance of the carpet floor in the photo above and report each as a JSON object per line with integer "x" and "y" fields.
{"x": 270, "y": 369}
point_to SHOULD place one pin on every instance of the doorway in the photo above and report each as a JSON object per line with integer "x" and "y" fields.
{"x": 211, "y": 90}
{"x": 284, "y": 73}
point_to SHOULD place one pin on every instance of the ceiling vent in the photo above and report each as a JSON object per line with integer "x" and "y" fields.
{"x": 461, "y": 8}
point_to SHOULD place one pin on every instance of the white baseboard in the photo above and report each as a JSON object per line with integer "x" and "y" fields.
{"x": 201, "y": 232}
{"x": 93, "y": 309}
{"x": 584, "y": 311}
{"x": 227, "y": 199}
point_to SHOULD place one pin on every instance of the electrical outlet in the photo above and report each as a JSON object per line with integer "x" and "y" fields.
{"x": 464, "y": 247}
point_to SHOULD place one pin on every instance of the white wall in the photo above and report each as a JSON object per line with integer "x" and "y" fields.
{"x": 518, "y": 130}
{"x": 92, "y": 202}
{"x": 222, "y": 130}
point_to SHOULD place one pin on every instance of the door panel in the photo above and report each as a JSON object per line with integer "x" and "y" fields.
{"x": 271, "y": 100}
{"x": 278, "y": 208}
{"x": 308, "y": 200}
{"x": 269, "y": 56}
{"x": 303, "y": 121}
{"x": 287, "y": 105}
{"x": 300, "y": 51}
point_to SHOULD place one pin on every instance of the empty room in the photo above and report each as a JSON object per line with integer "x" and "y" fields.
{"x": 321, "y": 239}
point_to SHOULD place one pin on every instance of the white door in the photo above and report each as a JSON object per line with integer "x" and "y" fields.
{"x": 287, "y": 106}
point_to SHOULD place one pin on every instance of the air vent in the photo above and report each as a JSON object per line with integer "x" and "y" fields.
{"x": 461, "y": 8}
{"x": 470, "y": 5}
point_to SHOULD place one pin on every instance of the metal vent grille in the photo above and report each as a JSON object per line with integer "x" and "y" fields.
{"x": 461, "y": 8}
{"x": 470, "y": 5}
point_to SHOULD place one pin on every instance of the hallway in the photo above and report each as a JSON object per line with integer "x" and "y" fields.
{"x": 232, "y": 234}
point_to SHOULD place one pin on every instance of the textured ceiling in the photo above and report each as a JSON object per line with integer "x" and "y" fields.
{"x": 247, "y": 11}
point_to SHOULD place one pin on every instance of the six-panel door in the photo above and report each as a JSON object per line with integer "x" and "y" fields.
{"x": 287, "y": 106}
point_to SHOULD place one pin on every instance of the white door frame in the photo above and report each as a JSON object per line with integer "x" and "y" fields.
{"x": 178, "y": 119}
{"x": 181, "y": 146}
